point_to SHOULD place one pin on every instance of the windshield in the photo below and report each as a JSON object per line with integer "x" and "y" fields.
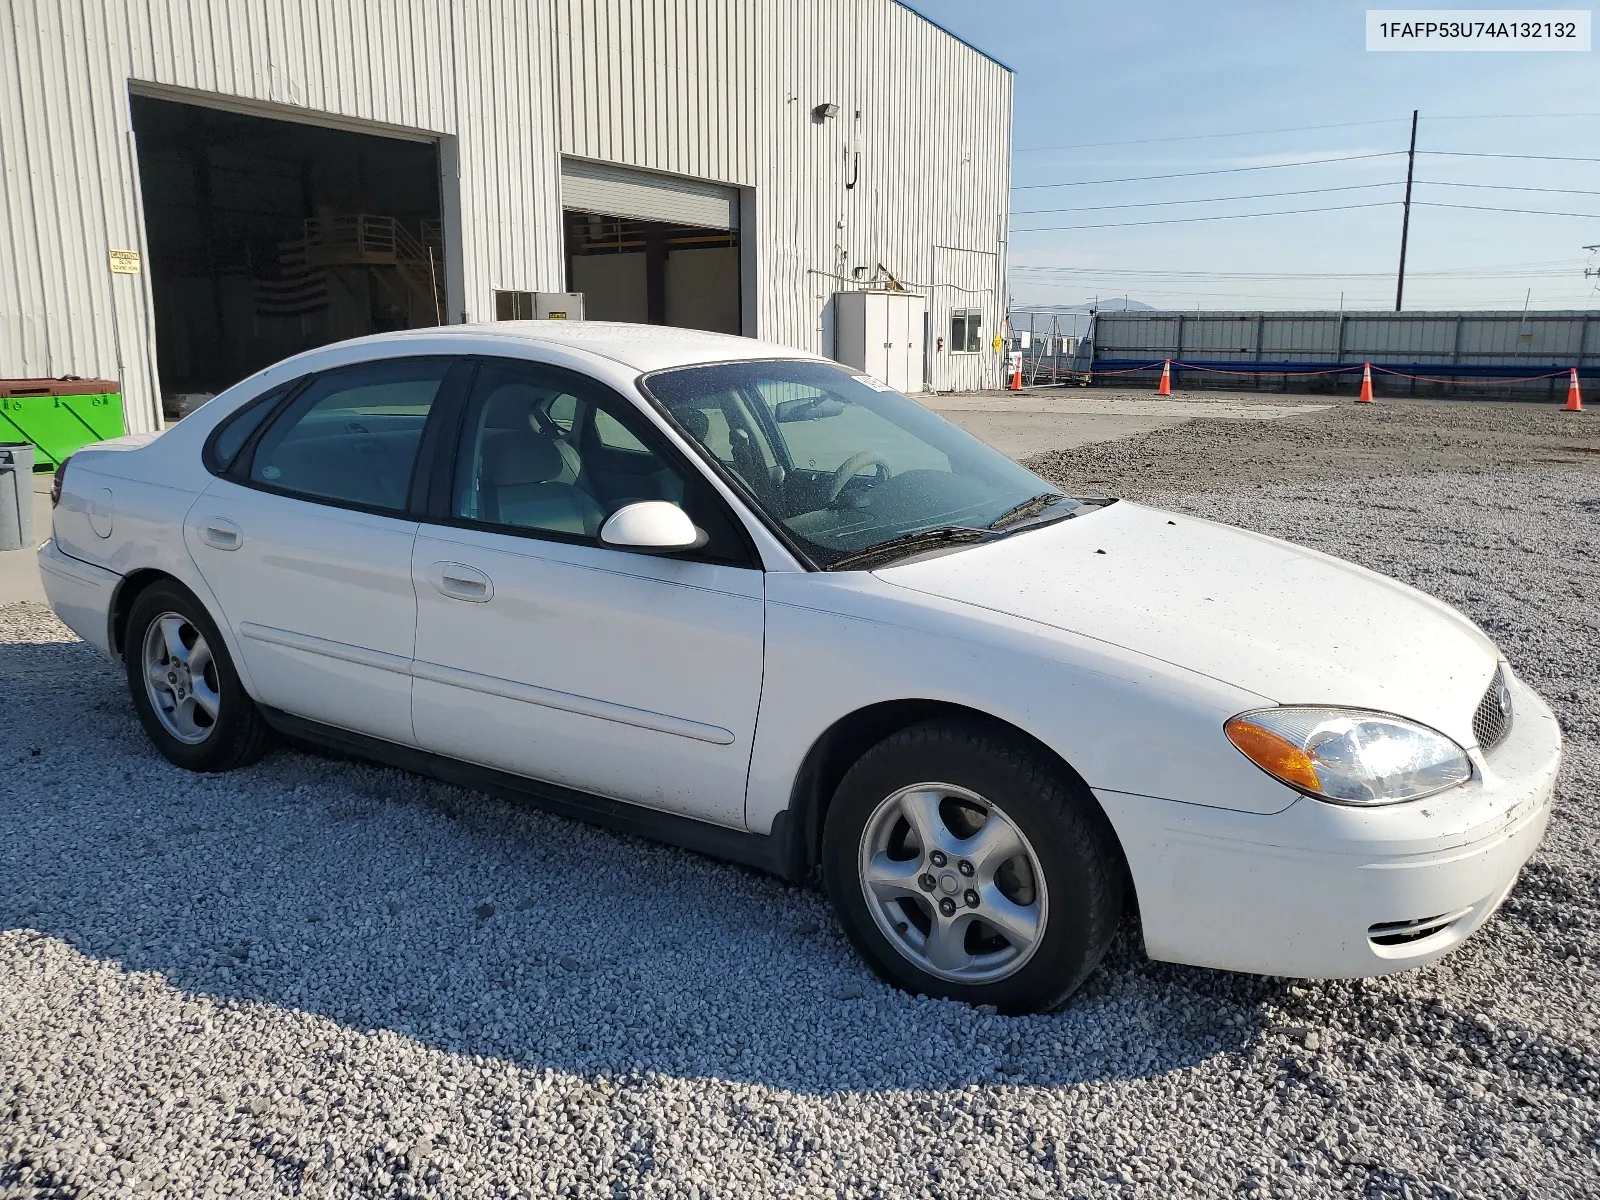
{"x": 842, "y": 462}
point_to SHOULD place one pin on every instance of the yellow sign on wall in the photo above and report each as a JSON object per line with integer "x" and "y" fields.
{"x": 999, "y": 343}
{"x": 124, "y": 262}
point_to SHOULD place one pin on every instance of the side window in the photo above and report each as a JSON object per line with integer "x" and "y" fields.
{"x": 614, "y": 435}
{"x": 966, "y": 331}
{"x": 563, "y": 411}
{"x": 351, "y": 437}
{"x": 518, "y": 469}
{"x": 235, "y": 431}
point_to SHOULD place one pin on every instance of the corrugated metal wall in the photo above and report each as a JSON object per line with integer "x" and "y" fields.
{"x": 715, "y": 89}
{"x": 1506, "y": 341}
{"x": 724, "y": 90}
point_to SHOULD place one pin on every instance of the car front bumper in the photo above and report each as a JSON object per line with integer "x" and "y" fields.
{"x": 80, "y": 593}
{"x": 1327, "y": 891}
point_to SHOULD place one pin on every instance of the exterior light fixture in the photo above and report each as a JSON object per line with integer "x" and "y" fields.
{"x": 825, "y": 112}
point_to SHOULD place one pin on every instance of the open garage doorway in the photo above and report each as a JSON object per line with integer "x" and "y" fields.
{"x": 656, "y": 249}
{"x": 267, "y": 237}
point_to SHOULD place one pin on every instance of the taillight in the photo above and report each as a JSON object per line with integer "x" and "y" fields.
{"x": 55, "y": 483}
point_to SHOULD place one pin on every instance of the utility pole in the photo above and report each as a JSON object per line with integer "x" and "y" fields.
{"x": 1405, "y": 221}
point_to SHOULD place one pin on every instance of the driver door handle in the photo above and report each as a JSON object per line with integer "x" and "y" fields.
{"x": 461, "y": 582}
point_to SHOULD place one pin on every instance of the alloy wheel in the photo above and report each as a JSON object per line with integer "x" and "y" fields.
{"x": 953, "y": 883}
{"x": 180, "y": 677}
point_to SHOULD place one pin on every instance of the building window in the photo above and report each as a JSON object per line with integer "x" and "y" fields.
{"x": 966, "y": 331}
{"x": 513, "y": 306}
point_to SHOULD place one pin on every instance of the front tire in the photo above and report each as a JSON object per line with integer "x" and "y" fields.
{"x": 184, "y": 685}
{"x": 966, "y": 863}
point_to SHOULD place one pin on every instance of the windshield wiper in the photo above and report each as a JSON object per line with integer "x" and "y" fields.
{"x": 1030, "y": 507}
{"x": 910, "y": 543}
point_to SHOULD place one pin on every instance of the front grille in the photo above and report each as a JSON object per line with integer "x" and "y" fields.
{"x": 1492, "y": 721}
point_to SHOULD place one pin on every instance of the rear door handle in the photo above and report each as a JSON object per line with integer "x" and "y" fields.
{"x": 461, "y": 582}
{"x": 221, "y": 533}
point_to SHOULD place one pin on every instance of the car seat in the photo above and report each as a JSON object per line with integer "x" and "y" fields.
{"x": 521, "y": 483}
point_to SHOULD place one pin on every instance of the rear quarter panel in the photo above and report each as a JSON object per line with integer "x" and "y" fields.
{"x": 123, "y": 504}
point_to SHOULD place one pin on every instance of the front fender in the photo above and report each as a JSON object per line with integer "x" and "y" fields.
{"x": 840, "y": 643}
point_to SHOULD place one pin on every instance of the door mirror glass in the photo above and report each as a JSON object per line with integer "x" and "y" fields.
{"x": 651, "y": 527}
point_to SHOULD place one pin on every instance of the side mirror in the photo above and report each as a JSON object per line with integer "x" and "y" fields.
{"x": 651, "y": 527}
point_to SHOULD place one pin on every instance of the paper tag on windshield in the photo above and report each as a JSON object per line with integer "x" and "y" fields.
{"x": 872, "y": 383}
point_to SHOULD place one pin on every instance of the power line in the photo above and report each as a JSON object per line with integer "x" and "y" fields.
{"x": 1487, "y": 154}
{"x": 1372, "y": 298}
{"x": 1510, "y": 116}
{"x": 1553, "y": 268}
{"x": 1290, "y": 212}
{"x": 1309, "y": 162}
{"x": 1533, "y": 212}
{"x": 1505, "y": 187}
{"x": 1200, "y": 137}
{"x": 1349, "y": 187}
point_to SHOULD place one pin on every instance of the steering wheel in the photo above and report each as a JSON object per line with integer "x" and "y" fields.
{"x": 851, "y": 467}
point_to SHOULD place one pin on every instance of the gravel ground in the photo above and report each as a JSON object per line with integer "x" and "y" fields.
{"x": 319, "y": 978}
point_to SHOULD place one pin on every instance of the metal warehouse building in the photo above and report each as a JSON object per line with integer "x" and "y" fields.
{"x": 196, "y": 188}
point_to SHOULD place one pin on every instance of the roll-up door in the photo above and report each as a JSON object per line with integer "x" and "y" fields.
{"x": 644, "y": 195}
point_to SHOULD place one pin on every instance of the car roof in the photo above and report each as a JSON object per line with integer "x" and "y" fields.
{"x": 642, "y": 347}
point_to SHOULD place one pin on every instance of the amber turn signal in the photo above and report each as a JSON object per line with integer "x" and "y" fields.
{"x": 1281, "y": 759}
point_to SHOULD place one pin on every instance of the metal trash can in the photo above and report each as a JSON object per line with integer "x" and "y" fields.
{"x": 16, "y": 496}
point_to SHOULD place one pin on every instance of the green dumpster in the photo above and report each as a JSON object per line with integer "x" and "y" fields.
{"x": 59, "y": 415}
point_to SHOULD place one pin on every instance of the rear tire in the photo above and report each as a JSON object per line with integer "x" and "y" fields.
{"x": 964, "y": 862}
{"x": 184, "y": 685}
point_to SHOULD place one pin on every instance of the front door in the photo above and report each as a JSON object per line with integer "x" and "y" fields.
{"x": 307, "y": 546}
{"x": 541, "y": 652}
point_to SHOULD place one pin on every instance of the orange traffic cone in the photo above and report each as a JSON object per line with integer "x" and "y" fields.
{"x": 1166, "y": 379}
{"x": 1574, "y": 397}
{"x": 1366, "y": 384}
{"x": 1016, "y": 372}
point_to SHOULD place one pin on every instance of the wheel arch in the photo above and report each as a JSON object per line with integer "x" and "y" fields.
{"x": 843, "y": 743}
{"x": 127, "y": 594}
{"x": 136, "y": 582}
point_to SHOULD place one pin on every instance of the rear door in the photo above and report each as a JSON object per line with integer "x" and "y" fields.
{"x": 306, "y": 542}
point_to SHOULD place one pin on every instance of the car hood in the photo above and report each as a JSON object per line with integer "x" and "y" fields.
{"x": 1274, "y": 618}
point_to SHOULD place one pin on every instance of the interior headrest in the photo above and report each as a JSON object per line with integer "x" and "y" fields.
{"x": 521, "y": 457}
{"x": 694, "y": 420}
{"x": 511, "y": 407}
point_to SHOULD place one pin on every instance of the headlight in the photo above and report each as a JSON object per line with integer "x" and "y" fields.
{"x": 1347, "y": 755}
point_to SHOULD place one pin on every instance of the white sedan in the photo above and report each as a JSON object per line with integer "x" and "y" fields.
{"x": 751, "y": 602}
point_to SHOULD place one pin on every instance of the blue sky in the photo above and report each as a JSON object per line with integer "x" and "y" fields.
{"x": 1125, "y": 73}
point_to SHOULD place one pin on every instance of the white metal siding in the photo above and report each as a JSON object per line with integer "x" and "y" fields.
{"x": 720, "y": 90}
